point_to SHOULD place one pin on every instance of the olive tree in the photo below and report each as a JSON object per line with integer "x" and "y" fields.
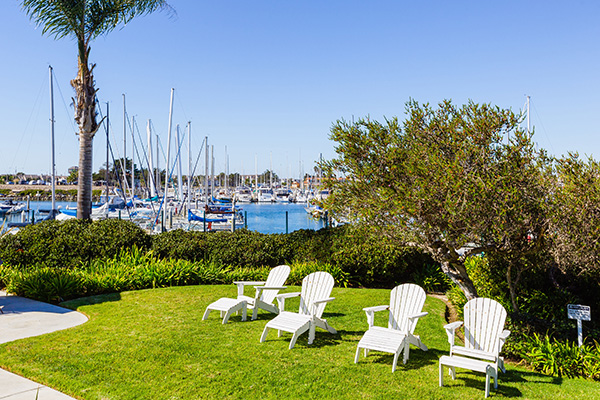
{"x": 452, "y": 181}
{"x": 575, "y": 222}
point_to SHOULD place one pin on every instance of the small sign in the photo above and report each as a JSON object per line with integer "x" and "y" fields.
{"x": 576, "y": 311}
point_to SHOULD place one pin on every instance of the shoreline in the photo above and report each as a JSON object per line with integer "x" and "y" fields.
{"x": 42, "y": 192}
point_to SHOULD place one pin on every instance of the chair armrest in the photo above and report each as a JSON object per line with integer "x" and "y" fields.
{"x": 376, "y": 308}
{"x": 323, "y": 300}
{"x": 370, "y": 311}
{"x": 281, "y": 299}
{"x": 451, "y": 332}
{"x": 259, "y": 290}
{"x": 418, "y": 315}
{"x": 270, "y": 287}
{"x": 453, "y": 326}
{"x": 241, "y": 284}
{"x": 317, "y": 303}
{"x": 288, "y": 295}
{"x": 502, "y": 339}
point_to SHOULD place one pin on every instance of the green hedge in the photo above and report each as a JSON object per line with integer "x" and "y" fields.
{"x": 368, "y": 258}
{"x": 134, "y": 269}
{"x": 70, "y": 243}
{"x": 365, "y": 257}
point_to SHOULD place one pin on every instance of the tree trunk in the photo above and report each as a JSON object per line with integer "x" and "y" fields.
{"x": 512, "y": 286}
{"x": 457, "y": 272}
{"x": 85, "y": 116}
{"x": 84, "y": 185}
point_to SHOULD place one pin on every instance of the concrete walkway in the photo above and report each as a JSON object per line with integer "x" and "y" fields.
{"x": 24, "y": 318}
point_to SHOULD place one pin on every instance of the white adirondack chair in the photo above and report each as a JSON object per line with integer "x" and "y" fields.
{"x": 314, "y": 296}
{"x": 263, "y": 298}
{"x": 405, "y": 309}
{"x": 484, "y": 337}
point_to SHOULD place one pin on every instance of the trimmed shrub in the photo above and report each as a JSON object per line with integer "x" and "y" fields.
{"x": 70, "y": 243}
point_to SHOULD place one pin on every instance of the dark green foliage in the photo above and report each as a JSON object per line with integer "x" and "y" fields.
{"x": 135, "y": 270}
{"x": 241, "y": 248}
{"x": 432, "y": 279}
{"x": 366, "y": 257}
{"x": 374, "y": 260}
{"x": 542, "y": 297}
{"x": 70, "y": 243}
{"x": 556, "y": 358}
{"x": 51, "y": 285}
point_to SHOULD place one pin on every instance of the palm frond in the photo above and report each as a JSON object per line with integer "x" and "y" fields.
{"x": 87, "y": 19}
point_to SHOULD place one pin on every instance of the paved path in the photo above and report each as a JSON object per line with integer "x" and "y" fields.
{"x": 24, "y": 318}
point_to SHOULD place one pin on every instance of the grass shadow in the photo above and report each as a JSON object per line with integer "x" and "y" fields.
{"x": 91, "y": 300}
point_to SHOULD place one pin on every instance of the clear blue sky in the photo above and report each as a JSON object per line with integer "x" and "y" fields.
{"x": 271, "y": 77}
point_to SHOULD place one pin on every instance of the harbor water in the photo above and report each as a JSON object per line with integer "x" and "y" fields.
{"x": 260, "y": 217}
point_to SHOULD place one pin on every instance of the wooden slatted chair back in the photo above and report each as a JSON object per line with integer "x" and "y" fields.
{"x": 484, "y": 322}
{"x": 405, "y": 300}
{"x": 315, "y": 286}
{"x": 277, "y": 277}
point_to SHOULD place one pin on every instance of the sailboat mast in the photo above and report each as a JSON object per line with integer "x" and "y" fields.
{"x": 107, "y": 149}
{"x": 157, "y": 167}
{"x": 124, "y": 149}
{"x": 528, "y": 124}
{"x": 150, "y": 161}
{"x": 271, "y": 171}
{"x": 52, "y": 139}
{"x": 179, "y": 175}
{"x": 212, "y": 170}
{"x": 189, "y": 178}
{"x": 132, "y": 158}
{"x": 168, "y": 156}
{"x": 226, "y": 171}
{"x": 206, "y": 170}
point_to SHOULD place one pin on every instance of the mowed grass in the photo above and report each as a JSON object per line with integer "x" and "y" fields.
{"x": 153, "y": 344}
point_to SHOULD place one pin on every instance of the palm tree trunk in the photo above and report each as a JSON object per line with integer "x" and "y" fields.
{"x": 85, "y": 115}
{"x": 84, "y": 185}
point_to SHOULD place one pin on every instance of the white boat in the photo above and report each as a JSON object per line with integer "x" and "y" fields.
{"x": 10, "y": 206}
{"x": 265, "y": 195}
{"x": 243, "y": 194}
{"x": 315, "y": 211}
{"x": 282, "y": 195}
{"x": 199, "y": 220}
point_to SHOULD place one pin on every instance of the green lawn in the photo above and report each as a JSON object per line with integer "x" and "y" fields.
{"x": 152, "y": 344}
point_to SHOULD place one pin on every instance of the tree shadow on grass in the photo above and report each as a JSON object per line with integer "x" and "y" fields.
{"x": 477, "y": 380}
{"x": 91, "y": 300}
{"x": 417, "y": 358}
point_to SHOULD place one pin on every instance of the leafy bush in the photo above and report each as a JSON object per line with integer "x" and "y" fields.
{"x": 552, "y": 357}
{"x": 366, "y": 258}
{"x": 432, "y": 278}
{"x": 70, "y": 243}
{"x": 51, "y": 285}
{"x": 300, "y": 270}
{"x": 115, "y": 255}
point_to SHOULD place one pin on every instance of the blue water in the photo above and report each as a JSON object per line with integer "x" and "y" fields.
{"x": 263, "y": 218}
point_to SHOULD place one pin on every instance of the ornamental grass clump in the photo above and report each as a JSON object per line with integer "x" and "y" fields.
{"x": 556, "y": 358}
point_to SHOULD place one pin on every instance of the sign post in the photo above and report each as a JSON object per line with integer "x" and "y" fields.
{"x": 580, "y": 313}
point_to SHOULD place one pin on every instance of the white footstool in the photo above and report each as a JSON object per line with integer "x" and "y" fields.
{"x": 453, "y": 362}
{"x": 227, "y": 307}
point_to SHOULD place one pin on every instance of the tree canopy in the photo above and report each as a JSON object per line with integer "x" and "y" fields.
{"x": 452, "y": 181}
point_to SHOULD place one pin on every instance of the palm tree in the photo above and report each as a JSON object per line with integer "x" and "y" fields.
{"x": 85, "y": 20}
